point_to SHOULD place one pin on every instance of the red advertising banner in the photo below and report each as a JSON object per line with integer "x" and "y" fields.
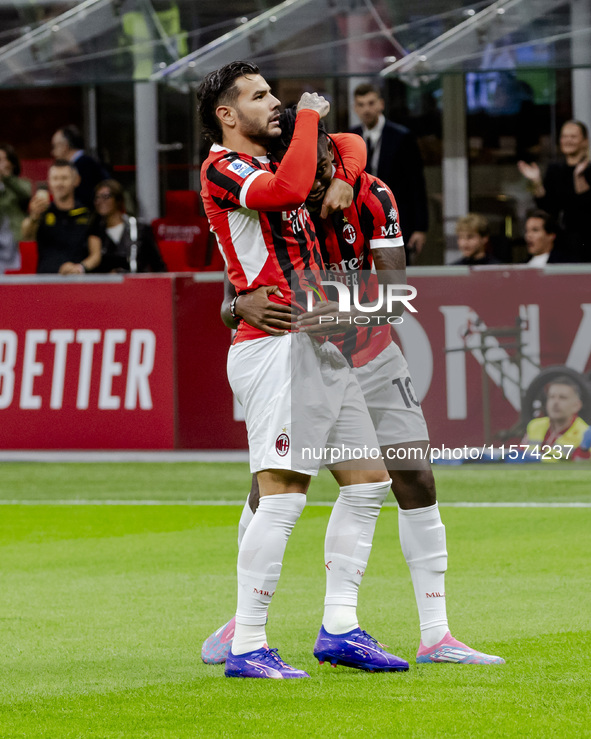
{"x": 205, "y": 418}
{"x": 481, "y": 338}
{"x": 140, "y": 362}
{"x": 87, "y": 364}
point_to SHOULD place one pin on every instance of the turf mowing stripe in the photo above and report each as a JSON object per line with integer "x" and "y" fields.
{"x": 156, "y": 455}
{"x": 78, "y": 502}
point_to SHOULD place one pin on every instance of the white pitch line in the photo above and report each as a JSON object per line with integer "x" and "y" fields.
{"x": 79, "y": 502}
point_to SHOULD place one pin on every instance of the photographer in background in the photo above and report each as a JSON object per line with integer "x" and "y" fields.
{"x": 562, "y": 426}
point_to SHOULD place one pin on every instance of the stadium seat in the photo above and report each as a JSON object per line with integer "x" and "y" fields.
{"x": 175, "y": 256}
{"x": 29, "y": 256}
{"x": 35, "y": 170}
{"x": 182, "y": 223}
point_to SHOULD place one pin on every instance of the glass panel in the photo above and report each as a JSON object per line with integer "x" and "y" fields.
{"x": 67, "y": 43}
{"x": 511, "y": 117}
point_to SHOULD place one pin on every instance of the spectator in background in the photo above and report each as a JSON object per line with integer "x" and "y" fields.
{"x": 62, "y": 227}
{"x": 127, "y": 244}
{"x": 540, "y": 238}
{"x": 394, "y": 157}
{"x": 67, "y": 143}
{"x": 565, "y": 191}
{"x": 15, "y": 193}
{"x": 562, "y": 425}
{"x": 473, "y": 233}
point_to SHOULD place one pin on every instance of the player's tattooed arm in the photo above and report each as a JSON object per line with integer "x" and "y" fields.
{"x": 326, "y": 319}
{"x": 256, "y": 309}
{"x": 390, "y": 264}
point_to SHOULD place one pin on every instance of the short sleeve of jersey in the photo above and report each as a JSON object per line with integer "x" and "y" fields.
{"x": 379, "y": 215}
{"x": 229, "y": 178}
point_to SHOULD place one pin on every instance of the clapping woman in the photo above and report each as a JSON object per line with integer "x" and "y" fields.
{"x": 565, "y": 189}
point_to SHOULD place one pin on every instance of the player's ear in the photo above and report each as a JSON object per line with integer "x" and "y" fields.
{"x": 226, "y": 114}
{"x": 330, "y": 148}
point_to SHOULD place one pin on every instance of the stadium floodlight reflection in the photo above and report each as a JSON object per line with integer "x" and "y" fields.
{"x": 22, "y": 55}
{"x": 82, "y": 35}
{"x": 253, "y": 37}
{"x": 468, "y": 40}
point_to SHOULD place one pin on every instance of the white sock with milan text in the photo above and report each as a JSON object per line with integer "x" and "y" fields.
{"x": 245, "y": 520}
{"x": 422, "y": 538}
{"x": 347, "y": 547}
{"x": 259, "y": 566}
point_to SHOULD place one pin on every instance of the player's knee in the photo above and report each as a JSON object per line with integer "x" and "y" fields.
{"x": 414, "y": 488}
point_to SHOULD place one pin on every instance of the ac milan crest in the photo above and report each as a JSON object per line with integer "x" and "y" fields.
{"x": 282, "y": 444}
{"x": 349, "y": 233}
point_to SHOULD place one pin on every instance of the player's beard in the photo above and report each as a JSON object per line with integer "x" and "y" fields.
{"x": 255, "y": 130}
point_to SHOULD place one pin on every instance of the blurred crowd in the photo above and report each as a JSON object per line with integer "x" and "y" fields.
{"x": 80, "y": 223}
{"x": 77, "y": 218}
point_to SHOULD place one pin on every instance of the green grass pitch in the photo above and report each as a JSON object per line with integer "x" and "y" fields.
{"x": 103, "y": 609}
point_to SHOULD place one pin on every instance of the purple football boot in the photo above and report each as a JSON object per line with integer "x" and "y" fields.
{"x": 356, "y": 649}
{"x": 262, "y": 662}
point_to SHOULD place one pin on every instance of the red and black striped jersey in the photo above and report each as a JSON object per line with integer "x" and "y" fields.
{"x": 256, "y": 211}
{"x": 346, "y": 241}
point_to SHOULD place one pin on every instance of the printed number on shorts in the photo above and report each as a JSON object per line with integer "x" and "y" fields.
{"x": 407, "y": 391}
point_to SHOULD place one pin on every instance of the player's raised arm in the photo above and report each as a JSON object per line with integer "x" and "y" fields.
{"x": 289, "y": 186}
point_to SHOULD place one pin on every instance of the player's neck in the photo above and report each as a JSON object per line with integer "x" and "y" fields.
{"x": 237, "y": 142}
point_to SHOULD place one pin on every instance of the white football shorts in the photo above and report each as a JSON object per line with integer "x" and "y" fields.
{"x": 302, "y": 404}
{"x": 391, "y": 399}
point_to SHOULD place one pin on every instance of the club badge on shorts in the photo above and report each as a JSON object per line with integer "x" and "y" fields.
{"x": 282, "y": 444}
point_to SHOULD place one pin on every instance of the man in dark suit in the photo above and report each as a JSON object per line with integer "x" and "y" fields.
{"x": 541, "y": 232}
{"x": 67, "y": 143}
{"x": 393, "y": 155}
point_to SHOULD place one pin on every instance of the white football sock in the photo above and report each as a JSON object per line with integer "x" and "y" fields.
{"x": 245, "y": 520}
{"x": 349, "y": 536}
{"x": 259, "y": 566}
{"x": 422, "y": 538}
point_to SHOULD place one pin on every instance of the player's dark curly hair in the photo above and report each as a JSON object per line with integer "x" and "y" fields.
{"x": 218, "y": 88}
{"x": 287, "y": 120}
